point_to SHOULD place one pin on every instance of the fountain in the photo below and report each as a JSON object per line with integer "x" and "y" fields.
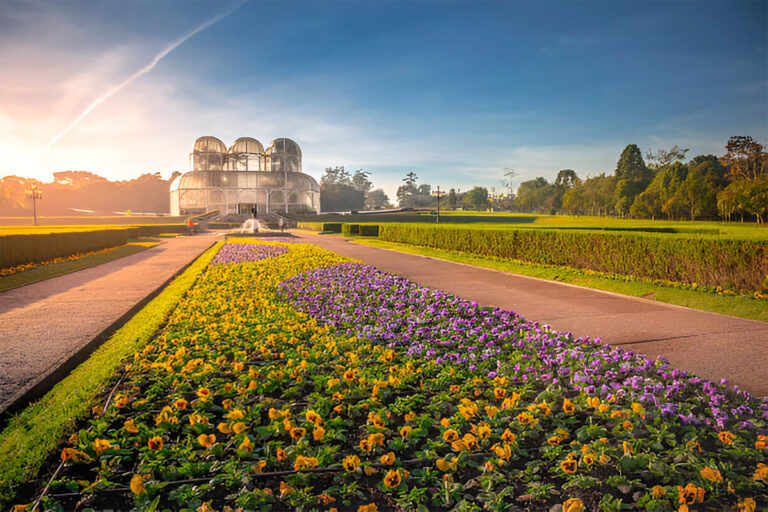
{"x": 250, "y": 226}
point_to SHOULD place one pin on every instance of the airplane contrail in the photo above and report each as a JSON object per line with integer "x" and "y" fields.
{"x": 146, "y": 69}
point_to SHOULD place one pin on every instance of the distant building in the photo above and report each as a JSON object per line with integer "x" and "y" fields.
{"x": 245, "y": 176}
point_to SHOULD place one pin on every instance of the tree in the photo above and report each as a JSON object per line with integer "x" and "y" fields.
{"x": 565, "y": 180}
{"x": 745, "y": 158}
{"x": 476, "y": 199}
{"x": 535, "y": 195}
{"x": 338, "y": 192}
{"x": 336, "y": 175}
{"x": 451, "y": 200}
{"x": 376, "y": 200}
{"x": 361, "y": 182}
{"x": 410, "y": 178}
{"x": 411, "y": 196}
{"x": 632, "y": 176}
{"x": 508, "y": 180}
{"x": 663, "y": 158}
{"x": 657, "y": 198}
{"x": 592, "y": 197}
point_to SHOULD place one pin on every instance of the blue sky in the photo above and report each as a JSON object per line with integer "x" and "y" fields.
{"x": 455, "y": 91}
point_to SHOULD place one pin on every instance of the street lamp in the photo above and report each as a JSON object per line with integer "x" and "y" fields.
{"x": 35, "y": 193}
{"x": 438, "y": 202}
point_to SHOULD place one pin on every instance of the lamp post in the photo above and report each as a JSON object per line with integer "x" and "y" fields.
{"x": 438, "y": 203}
{"x": 35, "y": 193}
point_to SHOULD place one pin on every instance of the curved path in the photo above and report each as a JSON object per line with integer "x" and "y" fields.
{"x": 48, "y": 327}
{"x": 711, "y": 345}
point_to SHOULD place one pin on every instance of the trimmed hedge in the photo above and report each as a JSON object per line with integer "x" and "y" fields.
{"x": 21, "y": 249}
{"x": 732, "y": 264}
{"x": 350, "y": 229}
{"x": 369, "y": 230}
{"x": 331, "y": 227}
{"x": 34, "y": 248}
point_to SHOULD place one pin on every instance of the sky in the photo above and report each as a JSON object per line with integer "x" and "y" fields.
{"x": 453, "y": 91}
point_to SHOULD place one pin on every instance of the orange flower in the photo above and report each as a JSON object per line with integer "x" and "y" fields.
{"x": 658, "y": 491}
{"x": 101, "y": 445}
{"x": 298, "y": 432}
{"x": 568, "y": 407}
{"x": 318, "y": 433}
{"x": 259, "y": 467}
{"x": 446, "y": 465}
{"x": 280, "y": 454}
{"x": 409, "y": 416}
{"x": 626, "y": 446}
{"x": 638, "y": 408}
{"x": 628, "y": 425}
{"x": 313, "y": 417}
{"x": 693, "y": 444}
{"x": 454, "y": 388}
{"x": 491, "y": 411}
{"x": 206, "y": 441}
{"x": 203, "y": 393}
{"x": 392, "y": 479}
{"x": 180, "y": 404}
{"x": 713, "y": 475}
{"x": 368, "y": 508}
{"x": 748, "y": 505}
{"x": 236, "y": 414}
{"x": 304, "y": 463}
{"x": 508, "y": 437}
{"x": 569, "y": 466}
{"x": 450, "y": 435}
{"x": 351, "y": 463}
{"x": 573, "y": 505}
{"x": 553, "y": 441}
{"x": 130, "y": 426}
{"x": 274, "y": 414}
{"x": 75, "y": 456}
{"x": 690, "y": 494}
{"x": 224, "y": 428}
{"x": 405, "y": 432}
{"x": 761, "y": 473}
{"x": 589, "y": 459}
{"x": 470, "y": 442}
{"x": 502, "y": 450}
{"x": 484, "y": 431}
{"x": 499, "y": 393}
{"x": 761, "y": 442}
{"x": 349, "y": 375}
{"x": 137, "y": 485}
{"x": 726, "y": 437}
{"x": 155, "y": 443}
{"x": 366, "y": 446}
{"x": 246, "y": 446}
{"x": 376, "y": 439}
{"x": 387, "y": 459}
{"x": 120, "y": 401}
{"x": 445, "y": 422}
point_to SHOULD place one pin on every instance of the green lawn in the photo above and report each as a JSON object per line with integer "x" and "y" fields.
{"x": 42, "y": 272}
{"x": 740, "y": 306}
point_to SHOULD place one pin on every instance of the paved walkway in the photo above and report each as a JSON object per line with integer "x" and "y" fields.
{"x": 711, "y": 345}
{"x": 50, "y": 323}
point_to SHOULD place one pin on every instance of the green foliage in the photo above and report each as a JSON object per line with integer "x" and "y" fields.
{"x": 369, "y": 230}
{"x": 734, "y": 264}
{"x": 34, "y": 248}
{"x": 476, "y": 199}
{"x": 350, "y": 229}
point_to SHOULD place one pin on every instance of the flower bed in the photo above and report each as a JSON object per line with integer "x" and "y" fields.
{"x": 243, "y": 400}
{"x": 239, "y": 253}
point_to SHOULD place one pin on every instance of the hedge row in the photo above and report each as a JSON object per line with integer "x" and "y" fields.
{"x": 34, "y": 248}
{"x": 732, "y": 264}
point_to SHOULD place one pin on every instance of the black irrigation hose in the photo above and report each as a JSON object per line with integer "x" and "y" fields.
{"x": 413, "y": 463}
{"x": 61, "y": 464}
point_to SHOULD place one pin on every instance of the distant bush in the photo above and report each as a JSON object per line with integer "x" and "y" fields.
{"x": 732, "y": 264}
{"x": 331, "y": 227}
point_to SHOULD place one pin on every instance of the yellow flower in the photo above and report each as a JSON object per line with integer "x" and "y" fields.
{"x": 568, "y": 407}
{"x": 761, "y": 473}
{"x": 484, "y": 431}
{"x": 366, "y": 445}
{"x": 470, "y": 441}
{"x": 690, "y": 494}
{"x": 318, "y": 433}
{"x": 332, "y": 383}
{"x": 75, "y": 456}
{"x": 206, "y": 441}
{"x": 409, "y": 416}
{"x": 203, "y": 394}
{"x": 491, "y": 411}
{"x": 526, "y": 418}
{"x": 259, "y": 467}
{"x": 499, "y": 393}
{"x": 349, "y": 375}
{"x": 553, "y": 441}
{"x": 155, "y": 443}
{"x": 604, "y": 459}
{"x": 508, "y": 437}
{"x": 589, "y": 459}
{"x": 726, "y": 437}
{"x": 304, "y": 463}
{"x": 626, "y": 446}
{"x": 658, "y": 491}
{"x": 405, "y": 432}
{"x": 502, "y": 450}
{"x": 446, "y": 465}
{"x": 392, "y": 479}
{"x": 713, "y": 475}
{"x": 450, "y": 435}
{"x": 638, "y": 408}
{"x": 274, "y": 414}
{"x": 387, "y": 459}
{"x": 130, "y": 426}
{"x": 445, "y": 422}
{"x": 180, "y": 404}
{"x": 376, "y": 438}
{"x": 368, "y": 508}
{"x": 569, "y": 466}
{"x": 313, "y": 417}
{"x": 628, "y": 425}
{"x": 454, "y": 388}
{"x": 224, "y": 428}
{"x": 573, "y": 505}
{"x": 101, "y": 445}
{"x": 120, "y": 401}
{"x": 246, "y": 445}
{"x": 236, "y": 414}
{"x": 351, "y": 463}
{"x": 280, "y": 454}
{"x": 238, "y": 427}
{"x": 137, "y": 485}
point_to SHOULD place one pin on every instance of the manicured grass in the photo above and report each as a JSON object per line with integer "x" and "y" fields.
{"x": 34, "y": 434}
{"x": 65, "y": 267}
{"x": 730, "y": 305}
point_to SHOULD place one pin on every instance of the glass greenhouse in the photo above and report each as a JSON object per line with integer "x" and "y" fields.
{"x": 245, "y": 176}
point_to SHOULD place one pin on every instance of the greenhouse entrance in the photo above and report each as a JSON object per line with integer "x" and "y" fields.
{"x": 245, "y": 208}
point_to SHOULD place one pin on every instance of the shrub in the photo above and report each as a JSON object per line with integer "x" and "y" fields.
{"x": 350, "y": 229}
{"x": 34, "y": 248}
{"x": 740, "y": 263}
{"x": 369, "y": 230}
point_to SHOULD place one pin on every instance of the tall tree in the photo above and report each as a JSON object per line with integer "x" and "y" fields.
{"x": 663, "y": 158}
{"x": 476, "y": 199}
{"x": 376, "y": 199}
{"x": 632, "y": 176}
{"x": 535, "y": 196}
{"x": 745, "y": 158}
{"x": 361, "y": 182}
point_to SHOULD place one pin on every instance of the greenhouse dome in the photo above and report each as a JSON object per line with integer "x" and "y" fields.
{"x": 243, "y": 177}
